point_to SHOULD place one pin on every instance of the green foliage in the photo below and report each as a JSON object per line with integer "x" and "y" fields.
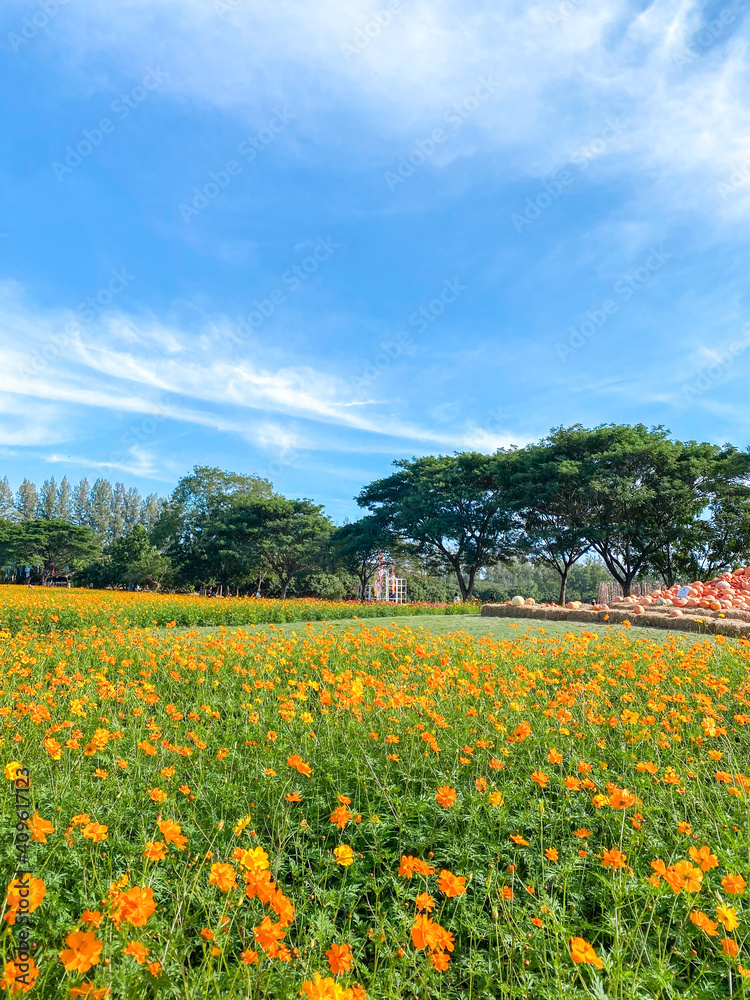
{"x": 453, "y": 508}
{"x": 53, "y": 547}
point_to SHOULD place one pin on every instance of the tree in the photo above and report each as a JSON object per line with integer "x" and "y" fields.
{"x": 358, "y": 546}
{"x": 52, "y": 546}
{"x": 286, "y": 535}
{"x": 151, "y": 510}
{"x": 452, "y": 507}
{"x": 641, "y": 491}
{"x": 47, "y": 500}
{"x": 553, "y": 509}
{"x": 26, "y": 501}
{"x": 100, "y": 510}
{"x": 80, "y": 505}
{"x": 190, "y": 530}
{"x": 133, "y": 559}
{"x": 720, "y": 537}
{"x": 63, "y": 510}
{"x": 8, "y": 510}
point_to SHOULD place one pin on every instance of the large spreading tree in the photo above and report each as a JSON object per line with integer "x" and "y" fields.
{"x": 455, "y": 508}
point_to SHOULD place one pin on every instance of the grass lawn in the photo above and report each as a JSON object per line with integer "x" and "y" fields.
{"x": 476, "y": 626}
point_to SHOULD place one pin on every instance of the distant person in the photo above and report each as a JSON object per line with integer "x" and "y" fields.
{"x": 456, "y": 598}
{"x": 493, "y": 598}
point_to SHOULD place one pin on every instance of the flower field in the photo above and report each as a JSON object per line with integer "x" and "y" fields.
{"x": 375, "y": 812}
{"x": 48, "y": 609}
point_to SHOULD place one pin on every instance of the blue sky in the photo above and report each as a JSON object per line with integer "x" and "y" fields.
{"x": 305, "y": 239}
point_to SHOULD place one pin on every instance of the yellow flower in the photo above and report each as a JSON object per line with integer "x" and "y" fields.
{"x": 11, "y": 768}
{"x": 344, "y": 855}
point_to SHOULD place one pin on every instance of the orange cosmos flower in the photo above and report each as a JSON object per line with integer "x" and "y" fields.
{"x": 424, "y": 901}
{"x": 321, "y": 989}
{"x": 137, "y": 951}
{"x": 481, "y": 785}
{"x": 582, "y": 951}
{"x": 89, "y": 991}
{"x": 249, "y": 957}
{"x": 450, "y": 884}
{"x": 520, "y": 733}
{"x": 19, "y": 977}
{"x": 446, "y": 796}
{"x": 224, "y": 876}
{"x": 158, "y": 794}
{"x": 339, "y": 958}
{"x": 283, "y": 908}
{"x": 703, "y": 857}
{"x": 83, "y": 951}
{"x": 92, "y": 918}
{"x": 155, "y": 851}
{"x": 729, "y": 947}
{"x": 507, "y": 892}
{"x": 692, "y": 876}
{"x": 621, "y": 798}
{"x": 294, "y": 797}
{"x": 344, "y": 855}
{"x": 298, "y": 764}
{"x": 733, "y": 884}
{"x": 268, "y": 934}
{"x": 341, "y": 816}
{"x": 540, "y": 778}
{"x": 439, "y": 960}
{"x": 95, "y": 832}
{"x": 554, "y": 756}
{"x": 551, "y": 854}
{"x": 423, "y": 932}
{"x": 172, "y": 832}
{"x": 613, "y": 858}
{"x": 582, "y": 833}
{"x": 518, "y": 839}
{"x": 40, "y": 828}
{"x": 495, "y": 798}
{"x": 147, "y": 748}
{"x": 134, "y": 906}
{"x": 702, "y": 921}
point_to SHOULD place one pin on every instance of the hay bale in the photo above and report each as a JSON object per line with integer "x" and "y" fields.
{"x": 582, "y": 615}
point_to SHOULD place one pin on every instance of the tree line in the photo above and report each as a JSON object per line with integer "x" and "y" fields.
{"x": 630, "y": 499}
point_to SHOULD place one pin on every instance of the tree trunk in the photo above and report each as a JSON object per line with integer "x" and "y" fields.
{"x": 564, "y": 586}
{"x": 285, "y": 587}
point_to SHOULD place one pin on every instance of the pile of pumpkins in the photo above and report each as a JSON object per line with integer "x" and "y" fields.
{"x": 729, "y": 591}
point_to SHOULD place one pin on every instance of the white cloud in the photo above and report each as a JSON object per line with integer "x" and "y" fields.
{"x": 137, "y": 365}
{"x": 554, "y": 84}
